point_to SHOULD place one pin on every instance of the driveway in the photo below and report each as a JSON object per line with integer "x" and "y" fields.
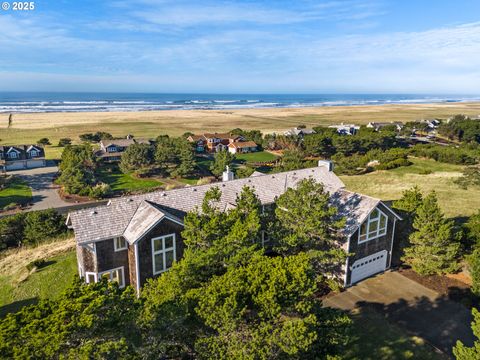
{"x": 421, "y": 311}
{"x": 44, "y": 192}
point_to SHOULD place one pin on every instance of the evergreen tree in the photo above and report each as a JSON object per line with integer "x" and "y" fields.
{"x": 435, "y": 244}
{"x": 463, "y": 352}
{"x": 473, "y": 261}
{"x": 186, "y": 159}
{"x": 407, "y": 207}
{"x": 222, "y": 159}
{"x": 292, "y": 160}
{"x": 473, "y": 229}
{"x": 137, "y": 158}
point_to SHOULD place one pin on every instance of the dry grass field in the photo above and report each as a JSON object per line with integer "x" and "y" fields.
{"x": 28, "y": 128}
{"x": 428, "y": 175}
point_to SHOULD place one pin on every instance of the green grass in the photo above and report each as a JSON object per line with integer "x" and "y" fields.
{"x": 120, "y": 182}
{"x": 261, "y": 156}
{"x": 374, "y": 338}
{"x": 47, "y": 282}
{"x": 389, "y": 185}
{"x": 17, "y": 191}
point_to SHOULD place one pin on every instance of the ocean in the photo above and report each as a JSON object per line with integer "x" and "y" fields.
{"x": 24, "y": 102}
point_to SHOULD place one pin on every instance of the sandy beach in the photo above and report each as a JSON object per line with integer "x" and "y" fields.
{"x": 30, "y": 127}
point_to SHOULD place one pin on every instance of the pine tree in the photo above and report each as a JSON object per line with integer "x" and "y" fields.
{"x": 186, "y": 159}
{"x": 463, "y": 352}
{"x": 435, "y": 244}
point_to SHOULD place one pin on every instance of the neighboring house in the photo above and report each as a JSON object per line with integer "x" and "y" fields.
{"x": 299, "y": 132}
{"x": 111, "y": 150}
{"x": 380, "y": 125}
{"x": 135, "y": 238}
{"x": 16, "y": 157}
{"x": 432, "y": 124}
{"x": 214, "y": 142}
{"x": 346, "y": 129}
{"x": 240, "y": 147}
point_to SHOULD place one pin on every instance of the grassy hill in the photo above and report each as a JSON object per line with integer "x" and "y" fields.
{"x": 19, "y": 286}
{"x": 428, "y": 175}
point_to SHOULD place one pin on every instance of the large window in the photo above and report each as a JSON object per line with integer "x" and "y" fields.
{"x": 114, "y": 275}
{"x": 374, "y": 227}
{"x": 119, "y": 243}
{"x": 163, "y": 252}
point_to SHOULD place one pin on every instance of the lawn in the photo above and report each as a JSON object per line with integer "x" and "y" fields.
{"x": 120, "y": 182}
{"x": 47, "y": 282}
{"x": 428, "y": 175}
{"x": 17, "y": 192}
{"x": 260, "y": 156}
{"x": 374, "y": 338}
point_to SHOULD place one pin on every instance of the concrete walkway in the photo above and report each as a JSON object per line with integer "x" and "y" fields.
{"x": 421, "y": 311}
{"x": 44, "y": 191}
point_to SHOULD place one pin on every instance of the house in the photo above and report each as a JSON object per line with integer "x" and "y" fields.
{"x": 214, "y": 142}
{"x": 16, "y": 157}
{"x": 380, "y": 125}
{"x": 111, "y": 150}
{"x": 301, "y": 132}
{"x": 240, "y": 147}
{"x": 135, "y": 238}
{"x": 346, "y": 129}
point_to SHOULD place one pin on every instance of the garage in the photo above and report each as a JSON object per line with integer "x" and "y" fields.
{"x": 35, "y": 163}
{"x": 17, "y": 165}
{"x": 369, "y": 265}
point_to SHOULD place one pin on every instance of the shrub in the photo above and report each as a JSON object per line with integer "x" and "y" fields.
{"x": 43, "y": 225}
{"x": 38, "y": 264}
{"x": 43, "y": 141}
{"x": 64, "y": 142}
{"x": 100, "y": 191}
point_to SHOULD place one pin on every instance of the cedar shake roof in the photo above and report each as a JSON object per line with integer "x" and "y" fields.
{"x": 124, "y": 215}
{"x": 243, "y": 144}
{"x": 145, "y": 218}
{"x": 117, "y": 142}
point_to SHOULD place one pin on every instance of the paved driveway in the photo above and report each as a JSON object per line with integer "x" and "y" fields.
{"x": 44, "y": 192}
{"x": 421, "y": 311}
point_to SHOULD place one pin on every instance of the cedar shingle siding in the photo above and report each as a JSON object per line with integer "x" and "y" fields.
{"x": 165, "y": 227}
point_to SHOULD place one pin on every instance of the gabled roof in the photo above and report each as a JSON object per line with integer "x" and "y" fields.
{"x": 133, "y": 216}
{"x": 108, "y": 221}
{"x": 117, "y": 142}
{"x": 144, "y": 219}
{"x": 243, "y": 144}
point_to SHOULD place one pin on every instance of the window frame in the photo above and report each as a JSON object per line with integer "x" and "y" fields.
{"x": 163, "y": 251}
{"x": 122, "y": 285}
{"x": 119, "y": 248}
{"x": 87, "y": 274}
{"x": 33, "y": 153}
{"x": 378, "y": 232}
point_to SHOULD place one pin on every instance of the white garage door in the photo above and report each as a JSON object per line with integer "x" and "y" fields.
{"x": 35, "y": 163}
{"x": 368, "y": 266}
{"x": 15, "y": 166}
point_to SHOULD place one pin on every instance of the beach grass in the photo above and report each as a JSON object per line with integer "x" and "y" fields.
{"x": 29, "y": 128}
{"x": 428, "y": 175}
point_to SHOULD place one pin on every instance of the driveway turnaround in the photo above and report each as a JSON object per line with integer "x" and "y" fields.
{"x": 421, "y": 311}
{"x": 44, "y": 191}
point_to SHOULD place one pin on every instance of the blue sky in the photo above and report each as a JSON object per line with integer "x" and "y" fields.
{"x": 301, "y": 46}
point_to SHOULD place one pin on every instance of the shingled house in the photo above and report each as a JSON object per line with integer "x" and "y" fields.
{"x": 16, "y": 157}
{"x": 111, "y": 150}
{"x": 134, "y": 238}
{"x": 218, "y": 142}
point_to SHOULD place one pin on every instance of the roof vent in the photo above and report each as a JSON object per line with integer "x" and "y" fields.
{"x": 109, "y": 202}
{"x": 194, "y": 189}
{"x": 294, "y": 173}
{"x": 164, "y": 194}
{"x": 223, "y": 185}
{"x": 273, "y": 176}
{"x": 130, "y": 199}
{"x": 249, "y": 180}
{"x": 93, "y": 212}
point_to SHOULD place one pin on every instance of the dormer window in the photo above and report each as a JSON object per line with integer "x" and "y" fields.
{"x": 33, "y": 153}
{"x": 113, "y": 149}
{"x": 374, "y": 227}
{"x": 119, "y": 244}
{"x": 12, "y": 155}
